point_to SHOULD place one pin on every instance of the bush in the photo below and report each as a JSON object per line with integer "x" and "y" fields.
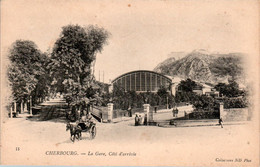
{"x": 122, "y": 99}
{"x": 204, "y": 115}
{"x": 239, "y": 102}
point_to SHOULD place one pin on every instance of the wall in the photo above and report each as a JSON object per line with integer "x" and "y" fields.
{"x": 235, "y": 114}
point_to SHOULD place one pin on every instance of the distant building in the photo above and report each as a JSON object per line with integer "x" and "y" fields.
{"x": 198, "y": 90}
{"x": 205, "y": 89}
{"x": 143, "y": 81}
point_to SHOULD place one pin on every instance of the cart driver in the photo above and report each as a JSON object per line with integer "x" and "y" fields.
{"x": 88, "y": 119}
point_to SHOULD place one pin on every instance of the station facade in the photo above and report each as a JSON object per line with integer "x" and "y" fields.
{"x": 142, "y": 81}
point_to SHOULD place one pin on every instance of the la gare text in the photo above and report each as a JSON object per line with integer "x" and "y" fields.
{"x": 97, "y": 153}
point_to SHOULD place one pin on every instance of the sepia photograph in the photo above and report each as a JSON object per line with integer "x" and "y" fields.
{"x": 130, "y": 83}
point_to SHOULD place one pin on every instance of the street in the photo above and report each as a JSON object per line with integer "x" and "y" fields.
{"x": 172, "y": 145}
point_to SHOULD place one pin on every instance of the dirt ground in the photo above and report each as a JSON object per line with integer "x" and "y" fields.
{"x": 26, "y": 142}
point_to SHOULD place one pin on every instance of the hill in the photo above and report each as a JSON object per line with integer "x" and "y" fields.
{"x": 202, "y": 66}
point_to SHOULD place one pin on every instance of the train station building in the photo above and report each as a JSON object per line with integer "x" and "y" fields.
{"x": 144, "y": 81}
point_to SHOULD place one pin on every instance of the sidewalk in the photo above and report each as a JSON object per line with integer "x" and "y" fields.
{"x": 120, "y": 119}
{"x": 159, "y": 116}
{"x": 197, "y": 123}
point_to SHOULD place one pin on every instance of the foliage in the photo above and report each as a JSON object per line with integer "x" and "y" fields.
{"x": 43, "y": 85}
{"x": 240, "y": 102}
{"x": 209, "y": 103}
{"x": 187, "y": 85}
{"x": 202, "y": 114}
{"x": 184, "y": 97}
{"x": 123, "y": 99}
{"x": 73, "y": 58}
{"x": 162, "y": 92}
{"x": 26, "y": 70}
{"x": 229, "y": 90}
{"x": 206, "y": 103}
{"x": 199, "y": 101}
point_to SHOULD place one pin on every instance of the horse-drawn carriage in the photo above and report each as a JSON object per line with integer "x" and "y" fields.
{"x": 77, "y": 128}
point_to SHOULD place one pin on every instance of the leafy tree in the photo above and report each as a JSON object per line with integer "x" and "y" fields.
{"x": 73, "y": 60}
{"x": 26, "y": 69}
{"x": 44, "y": 80}
{"x": 123, "y": 99}
{"x": 239, "y": 102}
{"x": 187, "y": 85}
{"x": 162, "y": 92}
{"x": 229, "y": 90}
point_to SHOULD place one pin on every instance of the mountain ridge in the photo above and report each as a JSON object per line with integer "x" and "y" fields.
{"x": 203, "y": 66}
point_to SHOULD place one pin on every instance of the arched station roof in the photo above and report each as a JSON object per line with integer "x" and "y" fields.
{"x": 138, "y": 71}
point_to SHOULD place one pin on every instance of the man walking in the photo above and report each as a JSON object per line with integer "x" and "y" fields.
{"x": 140, "y": 120}
{"x": 145, "y": 119}
{"x": 136, "y": 120}
{"x": 176, "y": 112}
{"x": 220, "y": 121}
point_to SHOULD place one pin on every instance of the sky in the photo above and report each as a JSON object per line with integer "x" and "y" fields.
{"x": 143, "y": 33}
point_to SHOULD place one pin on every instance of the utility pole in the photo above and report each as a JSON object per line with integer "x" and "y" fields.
{"x": 103, "y": 76}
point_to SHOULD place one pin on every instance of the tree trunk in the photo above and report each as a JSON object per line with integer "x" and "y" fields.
{"x": 22, "y": 111}
{"x": 30, "y": 105}
{"x": 14, "y": 107}
{"x": 25, "y": 106}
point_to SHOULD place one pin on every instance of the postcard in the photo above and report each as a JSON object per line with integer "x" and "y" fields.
{"x": 130, "y": 83}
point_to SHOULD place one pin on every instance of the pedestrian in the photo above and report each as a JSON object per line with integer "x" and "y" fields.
{"x": 145, "y": 119}
{"x": 129, "y": 111}
{"x": 173, "y": 112}
{"x": 176, "y": 112}
{"x": 136, "y": 120}
{"x": 140, "y": 120}
{"x": 220, "y": 121}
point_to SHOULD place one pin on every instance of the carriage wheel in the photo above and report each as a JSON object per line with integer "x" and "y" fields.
{"x": 93, "y": 132}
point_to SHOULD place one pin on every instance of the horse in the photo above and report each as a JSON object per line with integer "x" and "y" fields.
{"x": 75, "y": 131}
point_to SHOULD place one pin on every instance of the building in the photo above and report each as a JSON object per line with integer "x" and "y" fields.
{"x": 142, "y": 81}
{"x": 205, "y": 89}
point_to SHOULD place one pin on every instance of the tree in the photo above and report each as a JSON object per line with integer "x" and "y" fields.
{"x": 73, "y": 60}
{"x": 44, "y": 80}
{"x": 229, "y": 90}
{"x": 162, "y": 92}
{"x": 26, "y": 69}
{"x": 187, "y": 86}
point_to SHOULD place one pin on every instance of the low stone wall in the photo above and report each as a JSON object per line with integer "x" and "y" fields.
{"x": 235, "y": 114}
{"x": 187, "y": 108}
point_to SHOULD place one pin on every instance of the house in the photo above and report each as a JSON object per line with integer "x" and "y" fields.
{"x": 205, "y": 89}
